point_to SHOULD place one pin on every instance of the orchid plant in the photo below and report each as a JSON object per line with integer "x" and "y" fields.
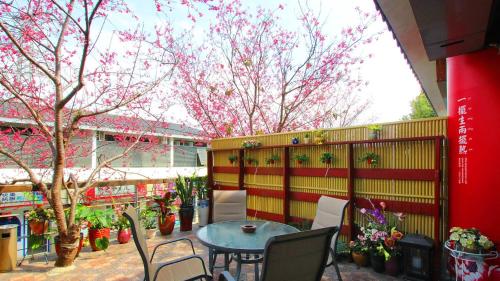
{"x": 381, "y": 232}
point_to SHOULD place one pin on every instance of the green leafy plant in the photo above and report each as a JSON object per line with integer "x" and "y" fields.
{"x": 250, "y": 160}
{"x": 250, "y": 144}
{"x": 326, "y": 158}
{"x": 307, "y": 135}
{"x": 470, "y": 240}
{"x": 232, "y": 158}
{"x": 184, "y": 188}
{"x": 301, "y": 158}
{"x": 99, "y": 219}
{"x": 148, "y": 218}
{"x": 121, "y": 223}
{"x": 371, "y": 158}
{"x": 39, "y": 214}
{"x": 375, "y": 127}
{"x": 201, "y": 186}
{"x": 273, "y": 159}
{"x": 319, "y": 136}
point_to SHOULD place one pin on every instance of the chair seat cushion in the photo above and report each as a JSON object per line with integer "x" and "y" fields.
{"x": 180, "y": 271}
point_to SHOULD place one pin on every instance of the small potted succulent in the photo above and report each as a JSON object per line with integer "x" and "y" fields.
{"x": 273, "y": 159}
{"x": 122, "y": 225}
{"x": 371, "y": 158}
{"x": 301, "y": 158}
{"x": 295, "y": 140}
{"x": 38, "y": 219}
{"x": 307, "y": 138}
{"x": 374, "y": 132}
{"x": 326, "y": 158}
{"x": 359, "y": 251}
{"x": 232, "y": 159}
{"x": 166, "y": 218}
{"x": 320, "y": 137}
{"x": 149, "y": 217}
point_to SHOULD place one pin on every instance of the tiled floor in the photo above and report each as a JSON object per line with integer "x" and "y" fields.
{"x": 122, "y": 262}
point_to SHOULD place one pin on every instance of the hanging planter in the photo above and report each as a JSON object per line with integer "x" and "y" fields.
{"x": 320, "y": 137}
{"x": 371, "y": 158}
{"x": 251, "y": 161}
{"x": 326, "y": 158}
{"x": 301, "y": 158}
{"x": 273, "y": 159}
{"x": 232, "y": 159}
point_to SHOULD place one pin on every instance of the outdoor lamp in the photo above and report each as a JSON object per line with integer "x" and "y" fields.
{"x": 417, "y": 256}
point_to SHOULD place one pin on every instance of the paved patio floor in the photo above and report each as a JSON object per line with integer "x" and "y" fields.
{"x": 122, "y": 262}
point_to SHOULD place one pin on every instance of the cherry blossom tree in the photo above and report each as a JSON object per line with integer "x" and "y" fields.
{"x": 251, "y": 74}
{"x": 66, "y": 66}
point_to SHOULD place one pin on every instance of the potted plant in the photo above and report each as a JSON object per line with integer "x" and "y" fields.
{"x": 166, "y": 218}
{"x": 295, "y": 140}
{"x": 250, "y": 144}
{"x": 203, "y": 204}
{"x": 326, "y": 158}
{"x": 301, "y": 158}
{"x": 273, "y": 159}
{"x": 393, "y": 261}
{"x": 184, "y": 190}
{"x": 251, "y": 161}
{"x": 374, "y": 132}
{"x": 149, "y": 219}
{"x": 99, "y": 222}
{"x": 307, "y": 138}
{"x": 38, "y": 219}
{"x": 359, "y": 251}
{"x": 232, "y": 159}
{"x": 319, "y": 137}
{"x": 469, "y": 240}
{"x": 371, "y": 158}
{"x": 122, "y": 225}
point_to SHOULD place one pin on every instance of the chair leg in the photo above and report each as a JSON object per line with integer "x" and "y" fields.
{"x": 337, "y": 270}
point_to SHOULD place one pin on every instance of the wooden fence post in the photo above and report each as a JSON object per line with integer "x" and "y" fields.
{"x": 350, "y": 190}
{"x": 241, "y": 169}
{"x": 210, "y": 183}
{"x": 286, "y": 184}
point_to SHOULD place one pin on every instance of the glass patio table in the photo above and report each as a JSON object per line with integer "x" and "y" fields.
{"x": 228, "y": 238}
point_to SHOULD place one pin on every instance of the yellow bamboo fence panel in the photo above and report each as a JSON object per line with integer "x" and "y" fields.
{"x": 406, "y": 175}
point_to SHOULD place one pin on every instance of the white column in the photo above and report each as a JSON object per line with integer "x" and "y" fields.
{"x": 94, "y": 149}
{"x": 171, "y": 151}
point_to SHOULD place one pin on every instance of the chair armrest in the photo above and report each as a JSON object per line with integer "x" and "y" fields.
{"x": 170, "y": 242}
{"x": 226, "y": 276}
{"x": 203, "y": 274}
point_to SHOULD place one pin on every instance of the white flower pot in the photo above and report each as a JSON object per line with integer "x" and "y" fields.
{"x": 203, "y": 206}
{"x": 150, "y": 233}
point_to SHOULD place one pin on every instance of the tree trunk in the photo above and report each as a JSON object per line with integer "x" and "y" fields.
{"x": 69, "y": 247}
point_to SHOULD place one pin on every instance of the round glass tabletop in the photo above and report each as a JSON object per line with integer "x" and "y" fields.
{"x": 227, "y": 236}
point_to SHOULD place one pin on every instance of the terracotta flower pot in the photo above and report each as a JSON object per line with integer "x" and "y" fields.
{"x": 392, "y": 266}
{"x": 271, "y": 162}
{"x": 57, "y": 243}
{"x": 186, "y": 218}
{"x": 369, "y": 161}
{"x": 328, "y": 161}
{"x": 96, "y": 234}
{"x": 360, "y": 259}
{"x": 378, "y": 262}
{"x": 166, "y": 226}
{"x": 299, "y": 162}
{"x": 123, "y": 236}
{"x": 38, "y": 227}
{"x": 249, "y": 162}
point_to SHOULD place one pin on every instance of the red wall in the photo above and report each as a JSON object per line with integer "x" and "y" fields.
{"x": 474, "y": 127}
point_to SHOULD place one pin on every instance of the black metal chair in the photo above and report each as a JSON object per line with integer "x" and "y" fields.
{"x": 295, "y": 257}
{"x": 191, "y": 267}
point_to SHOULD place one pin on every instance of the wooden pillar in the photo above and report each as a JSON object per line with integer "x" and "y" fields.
{"x": 350, "y": 190}
{"x": 241, "y": 169}
{"x": 286, "y": 184}
{"x": 210, "y": 183}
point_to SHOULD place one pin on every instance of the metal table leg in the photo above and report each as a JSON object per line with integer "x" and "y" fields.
{"x": 238, "y": 267}
{"x": 226, "y": 261}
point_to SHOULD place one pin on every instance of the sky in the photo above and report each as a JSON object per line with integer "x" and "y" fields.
{"x": 391, "y": 83}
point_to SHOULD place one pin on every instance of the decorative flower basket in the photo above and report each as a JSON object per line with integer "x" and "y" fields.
{"x": 471, "y": 266}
